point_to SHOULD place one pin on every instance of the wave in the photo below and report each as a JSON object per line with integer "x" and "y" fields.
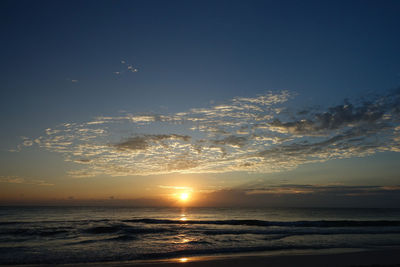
{"x": 103, "y": 229}
{"x": 116, "y": 228}
{"x": 33, "y": 232}
{"x": 322, "y": 223}
{"x": 126, "y": 233}
{"x": 12, "y": 223}
{"x": 291, "y": 232}
{"x": 6, "y": 223}
{"x": 319, "y": 223}
{"x": 136, "y": 227}
{"x": 122, "y": 237}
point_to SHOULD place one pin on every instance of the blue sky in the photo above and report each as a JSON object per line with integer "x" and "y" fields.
{"x": 72, "y": 61}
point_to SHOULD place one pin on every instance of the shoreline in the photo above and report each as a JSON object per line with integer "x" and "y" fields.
{"x": 326, "y": 257}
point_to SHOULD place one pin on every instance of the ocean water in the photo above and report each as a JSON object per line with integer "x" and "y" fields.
{"x": 31, "y": 235}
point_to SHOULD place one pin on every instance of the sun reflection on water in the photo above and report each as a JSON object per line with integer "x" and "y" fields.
{"x": 183, "y": 259}
{"x": 183, "y": 217}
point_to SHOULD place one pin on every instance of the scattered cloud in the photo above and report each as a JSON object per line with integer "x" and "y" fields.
{"x": 257, "y": 134}
{"x": 126, "y": 68}
{"x": 19, "y": 180}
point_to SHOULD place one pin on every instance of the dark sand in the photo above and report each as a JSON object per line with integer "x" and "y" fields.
{"x": 389, "y": 257}
{"x": 361, "y": 258}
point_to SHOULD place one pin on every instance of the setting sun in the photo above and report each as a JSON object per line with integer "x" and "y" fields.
{"x": 184, "y": 196}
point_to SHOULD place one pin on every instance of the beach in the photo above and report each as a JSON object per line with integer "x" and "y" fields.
{"x": 388, "y": 257}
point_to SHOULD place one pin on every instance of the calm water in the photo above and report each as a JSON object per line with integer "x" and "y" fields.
{"x": 93, "y": 234}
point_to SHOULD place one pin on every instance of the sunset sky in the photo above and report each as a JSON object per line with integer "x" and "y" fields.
{"x": 253, "y": 103}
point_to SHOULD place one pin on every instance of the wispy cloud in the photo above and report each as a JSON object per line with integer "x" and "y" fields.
{"x": 72, "y": 80}
{"x": 256, "y": 134}
{"x": 19, "y": 180}
{"x": 186, "y": 188}
{"x": 320, "y": 189}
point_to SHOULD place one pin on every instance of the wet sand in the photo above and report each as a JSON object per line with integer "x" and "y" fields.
{"x": 389, "y": 257}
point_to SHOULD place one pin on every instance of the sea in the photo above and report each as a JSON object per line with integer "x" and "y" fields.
{"x": 62, "y": 235}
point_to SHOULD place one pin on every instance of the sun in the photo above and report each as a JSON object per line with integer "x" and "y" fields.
{"x": 184, "y": 196}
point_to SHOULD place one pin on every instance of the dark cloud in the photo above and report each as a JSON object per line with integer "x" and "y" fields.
{"x": 351, "y": 141}
{"x": 134, "y": 143}
{"x": 305, "y": 196}
{"x": 142, "y": 142}
{"x": 83, "y": 160}
{"x": 340, "y": 116}
{"x": 181, "y": 164}
{"x": 232, "y": 140}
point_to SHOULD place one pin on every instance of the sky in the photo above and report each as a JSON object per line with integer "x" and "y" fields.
{"x": 235, "y": 103}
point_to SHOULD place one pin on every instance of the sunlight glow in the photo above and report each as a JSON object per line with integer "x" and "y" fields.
{"x": 184, "y": 196}
{"x": 183, "y": 259}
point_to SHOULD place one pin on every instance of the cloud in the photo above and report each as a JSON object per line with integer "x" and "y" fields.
{"x": 186, "y": 188}
{"x": 135, "y": 143}
{"x": 320, "y": 189}
{"x": 346, "y": 115}
{"x": 234, "y": 141}
{"x": 143, "y": 142}
{"x": 19, "y": 180}
{"x": 126, "y": 67}
{"x": 72, "y": 80}
{"x": 295, "y": 195}
{"x": 257, "y": 134}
